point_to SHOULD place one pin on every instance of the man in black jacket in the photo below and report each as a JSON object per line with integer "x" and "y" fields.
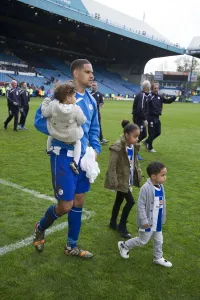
{"x": 140, "y": 109}
{"x": 154, "y": 111}
{"x": 14, "y": 104}
{"x": 25, "y": 98}
{"x": 99, "y": 100}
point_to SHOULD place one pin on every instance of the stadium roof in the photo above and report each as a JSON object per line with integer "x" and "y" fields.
{"x": 194, "y": 47}
{"x": 95, "y": 14}
{"x": 116, "y": 17}
{"x": 195, "y": 43}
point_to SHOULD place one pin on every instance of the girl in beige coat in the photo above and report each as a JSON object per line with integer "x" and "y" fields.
{"x": 123, "y": 172}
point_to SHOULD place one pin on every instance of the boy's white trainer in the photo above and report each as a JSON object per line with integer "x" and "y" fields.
{"x": 163, "y": 262}
{"x": 124, "y": 252}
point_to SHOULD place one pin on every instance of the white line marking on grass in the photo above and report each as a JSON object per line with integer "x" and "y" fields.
{"x": 23, "y": 243}
{"x": 27, "y": 241}
{"x": 26, "y": 190}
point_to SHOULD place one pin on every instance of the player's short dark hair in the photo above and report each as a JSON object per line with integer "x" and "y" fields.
{"x": 78, "y": 64}
{"x": 155, "y": 168}
{"x": 62, "y": 90}
{"x": 21, "y": 84}
{"x": 128, "y": 126}
{"x": 152, "y": 85}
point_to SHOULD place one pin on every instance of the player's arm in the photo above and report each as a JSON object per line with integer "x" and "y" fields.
{"x": 47, "y": 107}
{"x": 94, "y": 131}
{"x": 168, "y": 100}
{"x": 80, "y": 117}
{"x": 112, "y": 169}
{"x": 142, "y": 208}
{"x": 134, "y": 109}
{"x": 101, "y": 101}
{"x": 9, "y": 98}
{"x": 21, "y": 99}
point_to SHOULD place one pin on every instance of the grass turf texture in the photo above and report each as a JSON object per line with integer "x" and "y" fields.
{"x": 26, "y": 274}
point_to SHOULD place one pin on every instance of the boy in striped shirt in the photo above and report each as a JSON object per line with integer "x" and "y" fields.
{"x": 151, "y": 214}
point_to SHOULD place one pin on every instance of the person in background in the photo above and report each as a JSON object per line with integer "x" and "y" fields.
{"x": 3, "y": 91}
{"x": 14, "y": 104}
{"x": 25, "y": 98}
{"x": 140, "y": 110}
{"x": 99, "y": 99}
{"x": 155, "y": 105}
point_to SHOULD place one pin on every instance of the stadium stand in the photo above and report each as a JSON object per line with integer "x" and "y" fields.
{"x": 4, "y": 77}
{"x": 109, "y": 83}
{"x": 31, "y": 80}
{"x": 77, "y": 29}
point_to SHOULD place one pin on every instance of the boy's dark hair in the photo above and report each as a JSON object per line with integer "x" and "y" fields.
{"x": 128, "y": 127}
{"x": 62, "y": 90}
{"x": 155, "y": 168}
{"x": 78, "y": 64}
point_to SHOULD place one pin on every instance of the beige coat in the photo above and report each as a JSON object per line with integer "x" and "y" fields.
{"x": 117, "y": 175}
{"x": 63, "y": 120}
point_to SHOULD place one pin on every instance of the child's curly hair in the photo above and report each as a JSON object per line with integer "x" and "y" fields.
{"x": 62, "y": 90}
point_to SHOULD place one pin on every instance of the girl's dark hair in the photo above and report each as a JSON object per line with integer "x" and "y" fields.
{"x": 155, "y": 168}
{"x": 62, "y": 90}
{"x": 128, "y": 126}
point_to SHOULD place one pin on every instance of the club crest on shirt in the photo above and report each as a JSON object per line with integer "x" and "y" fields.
{"x": 60, "y": 192}
{"x": 90, "y": 106}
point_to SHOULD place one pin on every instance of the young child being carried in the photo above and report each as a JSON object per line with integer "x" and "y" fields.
{"x": 64, "y": 119}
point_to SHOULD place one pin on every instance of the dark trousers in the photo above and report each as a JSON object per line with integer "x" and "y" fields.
{"x": 24, "y": 115}
{"x": 154, "y": 129}
{"x": 127, "y": 208}
{"x": 143, "y": 131}
{"x": 101, "y": 134}
{"x": 13, "y": 113}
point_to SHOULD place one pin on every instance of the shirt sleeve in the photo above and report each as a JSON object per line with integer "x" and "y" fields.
{"x": 134, "y": 110}
{"x": 142, "y": 207}
{"x": 168, "y": 100}
{"x": 9, "y": 97}
{"x": 94, "y": 131}
{"x": 47, "y": 108}
{"x": 101, "y": 99}
{"x": 112, "y": 169}
{"x": 80, "y": 117}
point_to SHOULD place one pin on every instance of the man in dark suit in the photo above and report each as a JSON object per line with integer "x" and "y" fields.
{"x": 99, "y": 99}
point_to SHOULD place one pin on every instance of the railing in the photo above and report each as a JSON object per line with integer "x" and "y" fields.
{"x": 109, "y": 22}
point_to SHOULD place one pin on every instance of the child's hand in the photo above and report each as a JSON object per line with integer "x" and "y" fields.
{"x": 146, "y": 225}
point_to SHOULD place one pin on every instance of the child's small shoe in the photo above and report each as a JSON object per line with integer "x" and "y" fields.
{"x": 124, "y": 252}
{"x": 163, "y": 262}
{"x": 74, "y": 167}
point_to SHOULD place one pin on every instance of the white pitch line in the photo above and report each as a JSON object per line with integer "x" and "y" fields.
{"x": 24, "y": 243}
{"x": 27, "y": 241}
{"x": 26, "y": 190}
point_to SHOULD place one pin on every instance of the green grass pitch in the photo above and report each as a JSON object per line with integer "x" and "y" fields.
{"x": 26, "y": 274}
